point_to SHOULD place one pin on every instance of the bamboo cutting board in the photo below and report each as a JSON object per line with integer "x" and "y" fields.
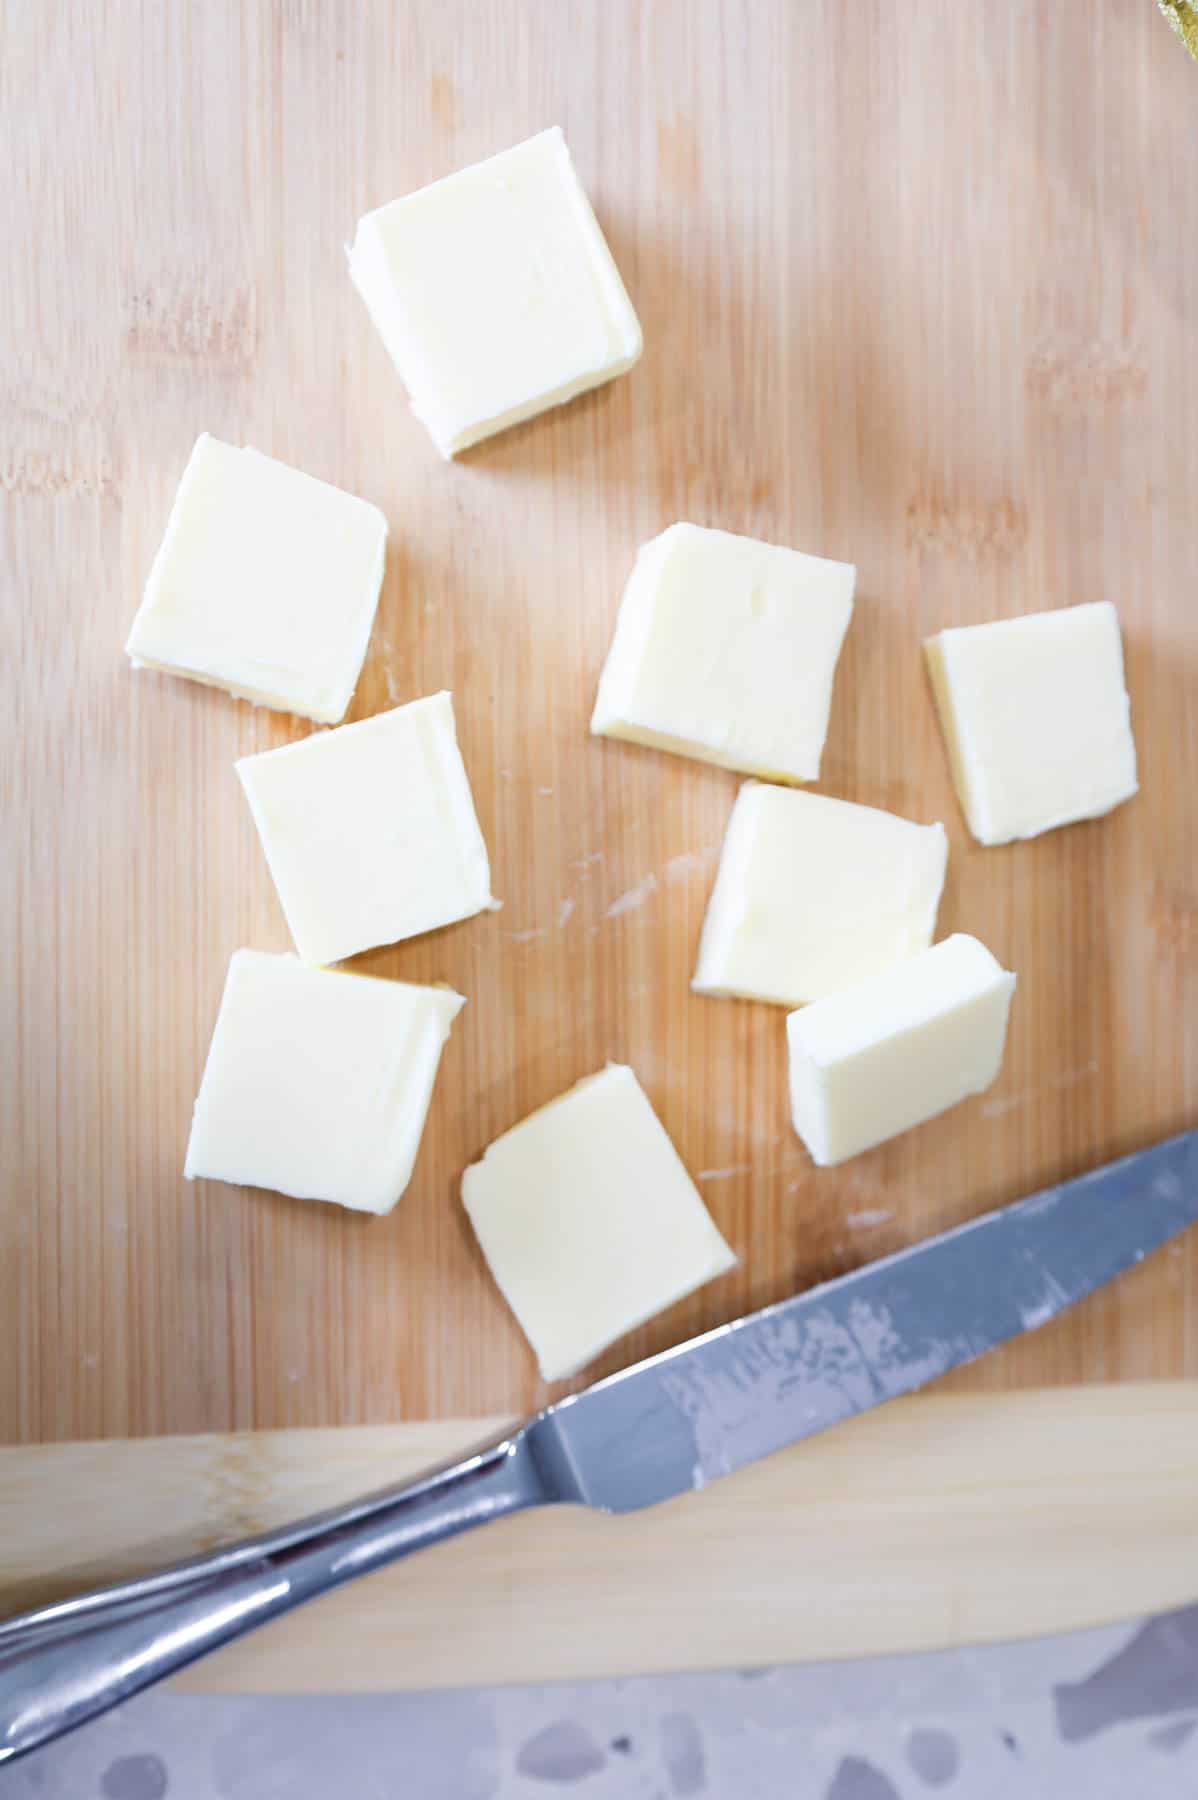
{"x": 919, "y": 295}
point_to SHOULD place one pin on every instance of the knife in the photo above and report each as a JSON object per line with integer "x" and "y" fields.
{"x": 654, "y": 1431}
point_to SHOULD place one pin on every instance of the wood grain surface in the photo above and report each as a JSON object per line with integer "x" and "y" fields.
{"x": 942, "y": 1520}
{"x": 919, "y": 294}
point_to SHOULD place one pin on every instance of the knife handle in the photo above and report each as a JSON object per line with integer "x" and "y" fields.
{"x": 66, "y": 1663}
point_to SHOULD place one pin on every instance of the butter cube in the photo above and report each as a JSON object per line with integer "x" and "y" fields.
{"x": 589, "y": 1221}
{"x": 725, "y": 649}
{"x": 265, "y": 584}
{"x": 814, "y": 895}
{"x": 1036, "y": 718}
{"x": 317, "y": 1083}
{"x": 370, "y": 830}
{"x": 495, "y": 293}
{"x": 893, "y": 1051}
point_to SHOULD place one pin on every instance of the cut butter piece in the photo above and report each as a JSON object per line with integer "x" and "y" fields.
{"x": 495, "y": 293}
{"x": 1036, "y": 719}
{"x": 814, "y": 895}
{"x": 889, "y": 1053}
{"x": 265, "y": 584}
{"x": 317, "y": 1083}
{"x": 589, "y": 1221}
{"x": 370, "y": 831}
{"x": 725, "y": 649}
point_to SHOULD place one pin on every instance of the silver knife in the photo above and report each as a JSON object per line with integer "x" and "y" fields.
{"x": 667, "y": 1425}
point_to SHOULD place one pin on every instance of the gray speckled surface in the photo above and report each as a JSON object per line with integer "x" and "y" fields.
{"x": 1099, "y": 1714}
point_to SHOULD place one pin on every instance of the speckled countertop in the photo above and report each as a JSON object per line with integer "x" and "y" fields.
{"x": 1095, "y": 1715}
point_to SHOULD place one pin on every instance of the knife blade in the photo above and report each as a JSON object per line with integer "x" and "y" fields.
{"x": 779, "y": 1375}
{"x": 650, "y": 1433}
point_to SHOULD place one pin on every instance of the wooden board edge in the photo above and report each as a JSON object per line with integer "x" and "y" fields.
{"x": 936, "y": 1521}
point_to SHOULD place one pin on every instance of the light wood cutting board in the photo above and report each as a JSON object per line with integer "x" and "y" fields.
{"x": 920, "y": 294}
{"x": 940, "y": 1520}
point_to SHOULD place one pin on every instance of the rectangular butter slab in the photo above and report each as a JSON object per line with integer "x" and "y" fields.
{"x": 589, "y": 1221}
{"x": 889, "y": 1053}
{"x": 1036, "y": 718}
{"x": 814, "y": 894}
{"x": 317, "y": 1083}
{"x": 370, "y": 830}
{"x": 495, "y": 293}
{"x": 265, "y": 584}
{"x": 725, "y": 649}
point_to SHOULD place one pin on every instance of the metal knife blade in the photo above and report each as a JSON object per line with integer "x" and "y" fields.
{"x": 777, "y": 1376}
